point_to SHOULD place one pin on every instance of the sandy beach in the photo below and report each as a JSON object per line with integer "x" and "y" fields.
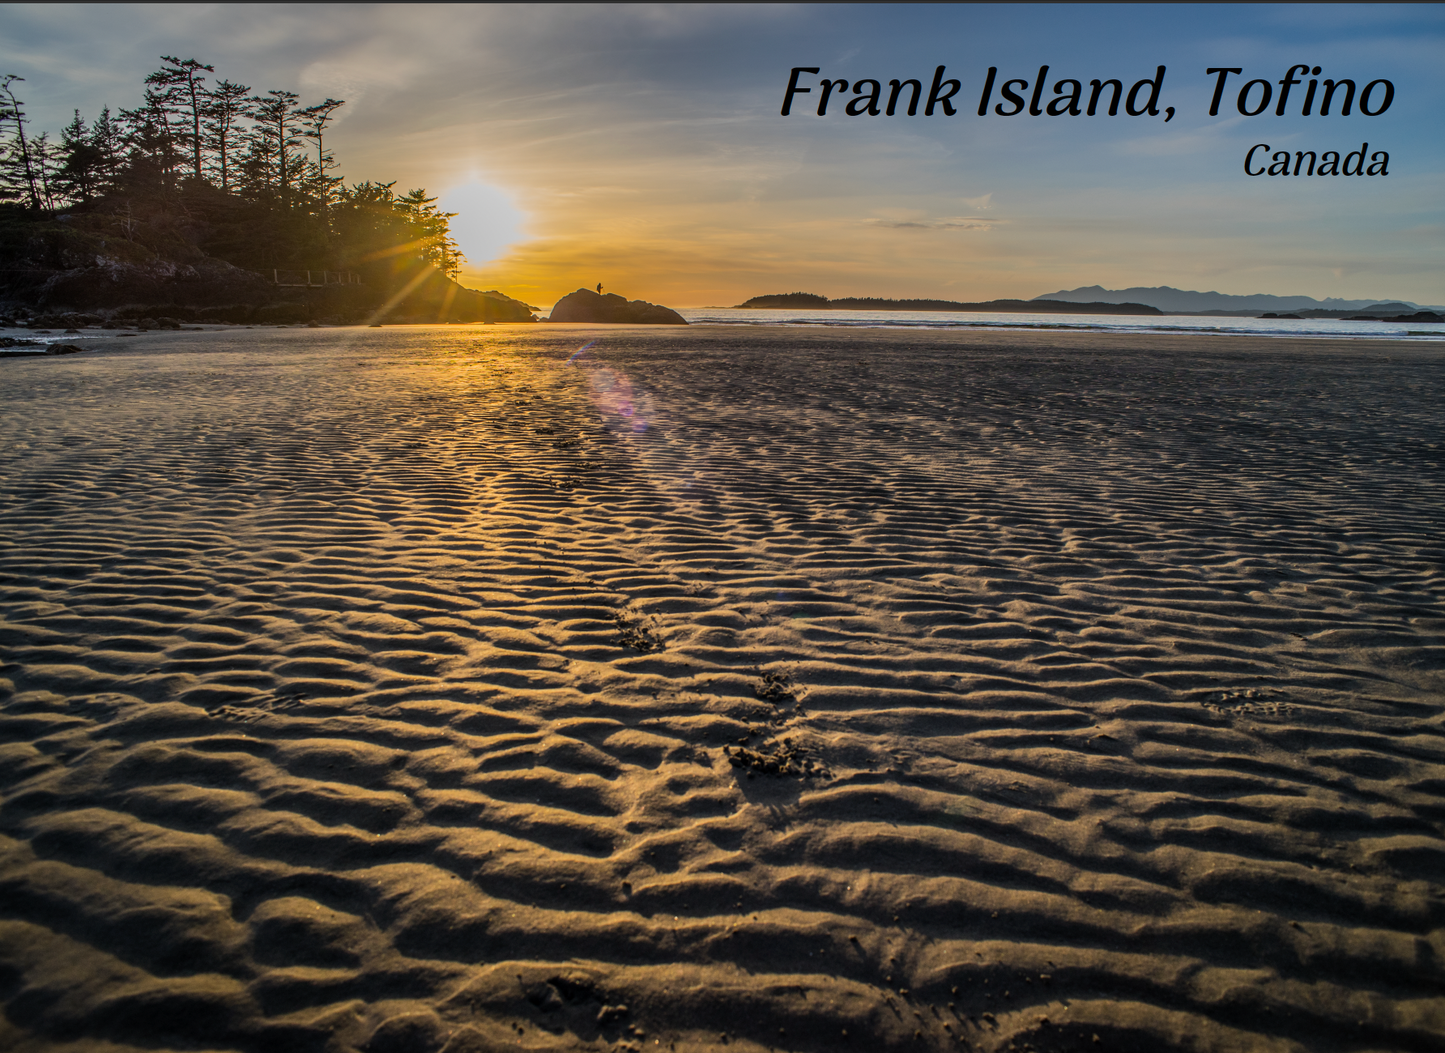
{"x": 480, "y": 688}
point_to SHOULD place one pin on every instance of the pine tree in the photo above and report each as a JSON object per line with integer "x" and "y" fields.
{"x": 224, "y": 108}
{"x": 46, "y": 158}
{"x": 134, "y": 175}
{"x": 315, "y": 119}
{"x": 431, "y": 227}
{"x": 106, "y": 136}
{"x": 82, "y": 163}
{"x": 185, "y": 100}
{"x": 20, "y": 172}
{"x": 277, "y": 119}
{"x": 152, "y": 156}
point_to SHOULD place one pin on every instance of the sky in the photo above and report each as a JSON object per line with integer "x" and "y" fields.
{"x": 643, "y": 147}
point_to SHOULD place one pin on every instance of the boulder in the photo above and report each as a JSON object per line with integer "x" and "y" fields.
{"x": 584, "y": 305}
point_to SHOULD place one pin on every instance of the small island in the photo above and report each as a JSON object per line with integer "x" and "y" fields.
{"x": 584, "y": 305}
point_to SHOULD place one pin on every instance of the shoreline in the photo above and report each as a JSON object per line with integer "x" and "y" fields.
{"x": 97, "y": 339}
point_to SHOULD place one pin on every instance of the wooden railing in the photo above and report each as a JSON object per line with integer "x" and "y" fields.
{"x": 314, "y": 279}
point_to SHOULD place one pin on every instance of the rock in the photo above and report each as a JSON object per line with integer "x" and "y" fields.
{"x": 584, "y": 305}
{"x": 64, "y": 349}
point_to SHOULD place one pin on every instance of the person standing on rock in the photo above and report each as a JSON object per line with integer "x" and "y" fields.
{"x": 599, "y": 288}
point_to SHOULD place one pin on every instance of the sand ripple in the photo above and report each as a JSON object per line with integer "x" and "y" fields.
{"x": 410, "y": 690}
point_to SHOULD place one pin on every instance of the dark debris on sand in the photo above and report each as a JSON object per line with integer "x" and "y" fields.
{"x": 636, "y": 634}
{"x": 787, "y": 758}
{"x": 776, "y": 687}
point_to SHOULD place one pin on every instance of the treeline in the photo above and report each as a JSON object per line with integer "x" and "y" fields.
{"x": 206, "y": 165}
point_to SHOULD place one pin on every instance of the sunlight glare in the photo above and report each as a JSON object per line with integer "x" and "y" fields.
{"x": 486, "y": 221}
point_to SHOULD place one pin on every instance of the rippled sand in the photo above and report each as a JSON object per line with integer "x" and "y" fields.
{"x": 416, "y": 689}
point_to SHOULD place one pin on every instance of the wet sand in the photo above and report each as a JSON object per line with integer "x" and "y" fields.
{"x": 442, "y": 688}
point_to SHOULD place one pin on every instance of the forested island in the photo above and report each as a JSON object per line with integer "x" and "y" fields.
{"x": 208, "y": 202}
{"x": 812, "y": 301}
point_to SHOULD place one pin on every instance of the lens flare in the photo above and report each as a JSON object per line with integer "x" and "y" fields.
{"x": 613, "y": 393}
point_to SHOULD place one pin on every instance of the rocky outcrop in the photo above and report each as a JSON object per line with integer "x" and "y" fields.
{"x": 584, "y": 305}
{"x": 109, "y": 282}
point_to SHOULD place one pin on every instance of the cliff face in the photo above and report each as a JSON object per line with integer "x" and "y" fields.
{"x": 584, "y": 305}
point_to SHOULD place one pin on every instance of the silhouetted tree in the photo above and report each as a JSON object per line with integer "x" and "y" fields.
{"x": 82, "y": 163}
{"x": 215, "y": 169}
{"x": 225, "y": 106}
{"x": 46, "y": 157}
{"x": 277, "y": 120}
{"x": 185, "y": 99}
{"x": 314, "y": 121}
{"x": 107, "y": 137}
{"x": 152, "y": 145}
{"x": 435, "y": 243}
{"x": 21, "y": 165}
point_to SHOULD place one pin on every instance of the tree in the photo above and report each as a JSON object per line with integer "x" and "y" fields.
{"x": 153, "y": 156}
{"x": 277, "y": 118}
{"x": 432, "y": 228}
{"x": 276, "y": 205}
{"x": 24, "y": 161}
{"x": 82, "y": 163}
{"x": 107, "y": 137}
{"x": 224, "y": 108}
{"x": 185, "y": 98}
{"x": 47, "y": 165}
{"x": 315, "y": 119}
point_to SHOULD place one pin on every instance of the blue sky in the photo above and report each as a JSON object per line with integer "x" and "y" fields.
{"x": 641, "y": 145}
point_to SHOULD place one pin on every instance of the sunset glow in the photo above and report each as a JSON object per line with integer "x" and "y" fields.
{"x": 643, "y": 147}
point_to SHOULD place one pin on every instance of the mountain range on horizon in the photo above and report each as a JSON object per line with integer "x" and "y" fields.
{"x": 1167, "y": 298}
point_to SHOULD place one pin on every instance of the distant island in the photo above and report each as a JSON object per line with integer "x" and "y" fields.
{"x": 1185, "y": 301}
{"x": 812, "y": 301}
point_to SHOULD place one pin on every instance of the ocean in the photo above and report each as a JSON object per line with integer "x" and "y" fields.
{"x": 1108, "y": 323}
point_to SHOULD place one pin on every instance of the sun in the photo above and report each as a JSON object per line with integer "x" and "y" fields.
{"x": 486, "y": 220}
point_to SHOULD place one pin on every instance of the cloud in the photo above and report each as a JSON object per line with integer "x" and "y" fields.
{"x": 942, "y": 223}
